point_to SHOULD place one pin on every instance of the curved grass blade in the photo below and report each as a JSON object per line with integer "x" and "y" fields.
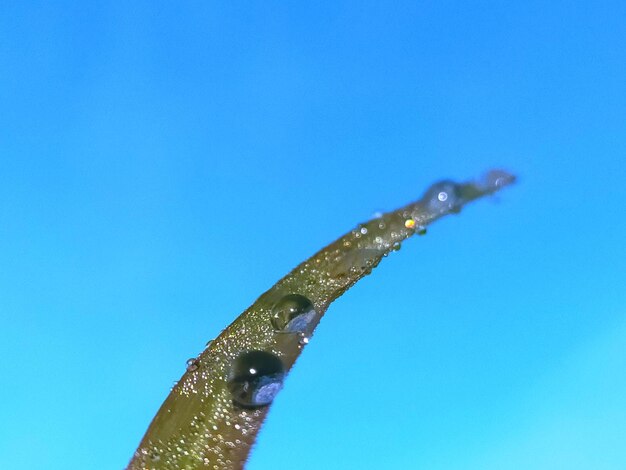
{"x": 211, "y": 417}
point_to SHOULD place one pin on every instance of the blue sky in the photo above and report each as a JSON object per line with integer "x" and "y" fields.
{"x": 162, "y": 165}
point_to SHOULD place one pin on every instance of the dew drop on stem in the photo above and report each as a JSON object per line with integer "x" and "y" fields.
{"x": 255, "y": 379}
{"x": 294, "y": 313}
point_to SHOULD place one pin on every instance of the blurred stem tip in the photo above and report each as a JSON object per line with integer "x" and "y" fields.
{"x": 213, "y": 414}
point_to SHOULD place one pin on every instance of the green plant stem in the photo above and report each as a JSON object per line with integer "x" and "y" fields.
{"x": 199, "y": 425}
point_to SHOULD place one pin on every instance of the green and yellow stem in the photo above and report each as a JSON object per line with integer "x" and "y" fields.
{"x": 212, "y": 416}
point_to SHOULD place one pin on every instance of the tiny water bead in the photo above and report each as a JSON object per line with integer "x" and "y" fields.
{"x": 443, "y": 197}
{"x": 496, "y": 179}
{"x": 256, "y": 378}
{"x": 192, "y": 364}
{"x": 303, "y": 341}
{"x": 293, "y": 313}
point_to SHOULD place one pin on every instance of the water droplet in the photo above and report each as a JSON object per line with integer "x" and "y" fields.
{"x": 496, "y": 179}
{"x": 303, "y": 341}
{"x": 396, "y": 246}
{"x": 293, "y": 313}
{"x": 192, "y": 364}
{"x": 409, "y": 223}
{"x": 208, "y": 344}
{"x": 363, "y": 230}
{"x": 421, "y": 230}
{"x": 256, "y": 378}
{"x": 443, "y": 197}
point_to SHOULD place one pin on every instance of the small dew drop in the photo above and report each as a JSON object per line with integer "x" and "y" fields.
{"x": 496, "y": 179}
{"x": 364, "y": 230}
{"x": 208, "y": 344}
{"x": 409, "y": 223}
{"x": 256, "y": 377}
{"x": 303, "y": 341}
{"x": 443, "y": 197}
{"x": 396, "y": 246}
{"x": 293, "y": 313}
{"x": 192, "y": 364}
{"x": 421, "y": 230}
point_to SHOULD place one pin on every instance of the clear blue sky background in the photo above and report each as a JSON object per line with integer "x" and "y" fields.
{"x": 162, "y": 165}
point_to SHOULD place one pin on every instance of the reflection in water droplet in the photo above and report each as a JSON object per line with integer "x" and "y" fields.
{"x": 396, "y": 246}
{"x": 421, "y": 230}
{"x": 293, "y": 313}
{"x": 256, "y": 378}
{"x": 192, "y": 364}
{"x": 409, "y": 223}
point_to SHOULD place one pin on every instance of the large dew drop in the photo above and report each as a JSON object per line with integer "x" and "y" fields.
{"x": 256, "y": 378}
{"x": 294, "y": 313}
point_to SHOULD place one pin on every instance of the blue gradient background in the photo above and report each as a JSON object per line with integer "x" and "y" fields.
{"x": 163, "y": 165}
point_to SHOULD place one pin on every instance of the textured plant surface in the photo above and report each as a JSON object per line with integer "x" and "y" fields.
{"x": 212, "y": 416}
